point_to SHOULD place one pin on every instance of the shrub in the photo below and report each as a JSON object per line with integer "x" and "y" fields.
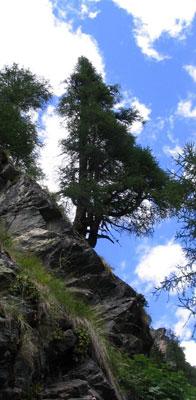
{"x": 143, "y": 379}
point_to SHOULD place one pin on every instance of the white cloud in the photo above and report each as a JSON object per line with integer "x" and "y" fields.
{"x": 35, "y": 38}
{"x": 86, "y": 10}
{"x": 153, "y": 18}
{"x": 186, "y": 109}
{"x": 191, "y": 69}
{"x": 159, "y": 261}
{"x": 50, "y": 155}
{"x": 182, "y": 327}
{"x": 34, "y": 115}
{"x": 183, "y": 330}
{"x": 144, "y": 111}
{"x": 50, "y": 159}
{"x": 174, "y": 152}
{"x": 190, "y": 351}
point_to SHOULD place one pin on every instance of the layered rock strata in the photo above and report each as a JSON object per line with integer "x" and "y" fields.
{"x": 39, "y": 226}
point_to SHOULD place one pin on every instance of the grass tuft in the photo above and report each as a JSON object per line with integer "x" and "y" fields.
{"x": 52, "y": 288}
{"x": 59, "y": 300}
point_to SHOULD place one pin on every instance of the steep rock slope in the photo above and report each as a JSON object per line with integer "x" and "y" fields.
{"x": 37, "y": 225}
{"x": 39, "y": 359}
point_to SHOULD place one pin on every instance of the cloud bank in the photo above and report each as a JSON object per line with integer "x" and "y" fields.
{"x": 159, "y": 261}
{"x": 51, "y": 134}
{"x": 153, "y": 18}
{"x": 191, "y": 69}
{"x": 186, "y": 109}
{"x": 37, "y": 39}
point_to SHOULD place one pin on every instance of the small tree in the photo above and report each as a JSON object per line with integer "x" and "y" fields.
{"x": 112, "y": 182}
{"x": 21, "y": 94}
{"x": 183, "y": 281}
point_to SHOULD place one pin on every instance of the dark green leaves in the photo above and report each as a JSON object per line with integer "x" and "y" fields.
{"x": 144, "y": 379}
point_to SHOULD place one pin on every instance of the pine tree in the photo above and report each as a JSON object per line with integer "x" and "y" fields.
{"x": 113, "y": 182}
{"x": 21, "y": 93}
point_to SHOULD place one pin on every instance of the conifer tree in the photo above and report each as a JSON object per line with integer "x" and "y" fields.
{"x": 113, "y": 182}
{"x": 21, "y": 94}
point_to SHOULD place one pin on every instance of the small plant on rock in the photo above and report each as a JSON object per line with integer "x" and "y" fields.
{"x": 83, "y": 342}
{"x": 24, "y": 287}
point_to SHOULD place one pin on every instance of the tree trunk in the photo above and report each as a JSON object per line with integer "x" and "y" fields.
{"x": 80, "y": 221}
{"x": 93, "y": 235}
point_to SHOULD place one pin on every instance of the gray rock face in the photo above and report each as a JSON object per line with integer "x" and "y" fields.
{"x": 34, "y": 364}
{"x": 38, "y": 226}
{"x": 75, "y": 386}
{"x": 160, "y": 339}
{"x": 9, "y": 330}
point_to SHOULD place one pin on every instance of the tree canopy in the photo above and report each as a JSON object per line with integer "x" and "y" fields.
{"x": 113, "y": 182}
{"x": 21, "y": 94}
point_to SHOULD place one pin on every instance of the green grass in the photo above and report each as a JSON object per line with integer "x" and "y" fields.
{"x": 139, "y": 376}
{"x": 51, "y": 288}
{"x": 60, "y": 300}
{"x": 5, "y": 240}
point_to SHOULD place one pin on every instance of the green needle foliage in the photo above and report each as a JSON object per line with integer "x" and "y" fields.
{"x": 21, "y": 94}
{"x": 183, "y": 281}
{"x": 113, "y": 182}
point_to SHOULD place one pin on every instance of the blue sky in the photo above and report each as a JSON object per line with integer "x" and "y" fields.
{"x": 146, "y": 46}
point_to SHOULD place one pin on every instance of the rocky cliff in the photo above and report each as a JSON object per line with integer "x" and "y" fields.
{"x": 55, "y": 369}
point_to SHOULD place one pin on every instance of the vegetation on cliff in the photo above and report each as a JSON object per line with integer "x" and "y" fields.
{"x": 145, "y": 379}
{"x": 114, "y": 184}
{"x": 139, "y": 377}
{"x": 35, "y": 284}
